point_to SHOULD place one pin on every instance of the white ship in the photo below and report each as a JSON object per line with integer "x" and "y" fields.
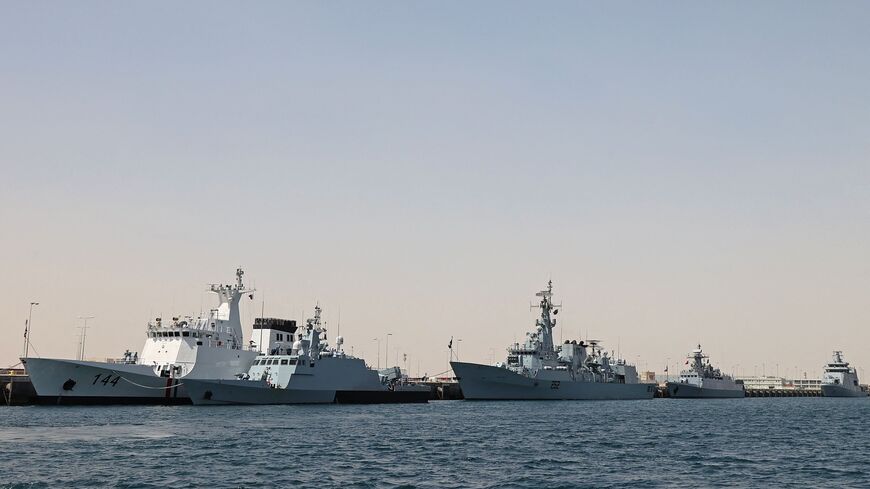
{"x": 305, "y": 371}
{"x": 183, "y": 348}
{"x": 537, "y": 369}
{"x": 701, "y": 380}
{"x": 840, "y": 380}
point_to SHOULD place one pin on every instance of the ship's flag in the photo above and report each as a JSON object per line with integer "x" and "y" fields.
{"x": 666, "y": 368}
{"x": 450, "y": 345}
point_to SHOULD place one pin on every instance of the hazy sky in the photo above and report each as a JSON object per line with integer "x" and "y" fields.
{"x": 684, "y": 171}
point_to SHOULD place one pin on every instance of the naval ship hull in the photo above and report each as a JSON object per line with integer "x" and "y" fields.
{"x": 216, "y": 392}
{"x": 831, "y": 390}
{"x": 485, "y": 382}
{"x": 688, "y": 391}
{"x": 80, "y": 382}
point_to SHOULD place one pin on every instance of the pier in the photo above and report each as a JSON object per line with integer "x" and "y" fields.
{"x": 442, "y": 388}
{"x": 17, "y": 390}
{"x": 16, "y": 387}
{"x": 783, "y": 393}
{"x": 662, "y": 391}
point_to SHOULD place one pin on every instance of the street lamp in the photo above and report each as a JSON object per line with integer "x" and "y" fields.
{"x": 387, "y": 351}
{"x": 27, "y": 329}
{"x": 379, "y": 351}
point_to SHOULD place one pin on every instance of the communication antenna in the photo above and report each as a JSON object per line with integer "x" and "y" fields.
{"x": 82, "y": 337}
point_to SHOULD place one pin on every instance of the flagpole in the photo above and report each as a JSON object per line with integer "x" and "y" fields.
{"x": 667, "y": 370}
{"x": 27, "y": 325}
{"x": 450, "y": 348}
{"x": 263, "y": 315}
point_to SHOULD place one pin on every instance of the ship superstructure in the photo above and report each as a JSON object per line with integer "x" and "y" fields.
{"x": 210, "y": 346}
{"x": 306, "y": 371}
{"x": 538, "y": 369}
{"x": 702, "y": 380}
{"x": 839, "y": 379}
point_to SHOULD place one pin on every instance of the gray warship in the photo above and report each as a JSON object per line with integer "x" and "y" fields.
{"x": 537, "y": 369}
{"x": 701, "y": 380}
{"x": 841, "y": 380}
{"x": 305, "y": 371}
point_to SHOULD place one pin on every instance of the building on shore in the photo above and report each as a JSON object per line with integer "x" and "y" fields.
{"x": 807, "y": 383}
{"x": 773, "y": 382}
{"x": 647, "y": 377}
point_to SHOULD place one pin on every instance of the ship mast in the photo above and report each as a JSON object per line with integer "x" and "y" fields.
{"x": 546, "y": 323}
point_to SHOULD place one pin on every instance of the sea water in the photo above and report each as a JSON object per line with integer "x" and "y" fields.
{"x": 766, "y": 442}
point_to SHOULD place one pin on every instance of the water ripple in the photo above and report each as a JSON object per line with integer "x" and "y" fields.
{"x": 799, "y": 442}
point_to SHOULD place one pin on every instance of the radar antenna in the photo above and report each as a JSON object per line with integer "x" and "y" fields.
{"x": 239, "y": 274}
{"x": 546, "y": 299}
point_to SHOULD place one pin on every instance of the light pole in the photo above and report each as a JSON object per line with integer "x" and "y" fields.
{"x": 387, "y": 351}
{"x": 379, "y": 351}
{"x": 27, "y": 329}
{"x": 458, "y": 343}
{"x": 84, "y": 329}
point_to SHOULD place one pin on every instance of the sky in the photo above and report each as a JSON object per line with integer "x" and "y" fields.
{"x": 684, "y": 172}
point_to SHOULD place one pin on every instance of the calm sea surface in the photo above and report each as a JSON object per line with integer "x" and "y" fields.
{"x": 794, "y": 442}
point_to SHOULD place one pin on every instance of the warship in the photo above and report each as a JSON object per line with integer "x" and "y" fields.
{"x": 307, "y": 371}
{"x": 537, "y": 369}
{"x": 701, "y": 380}
{"x": 840, "y": 380}
{"x": 184, "y": 348}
